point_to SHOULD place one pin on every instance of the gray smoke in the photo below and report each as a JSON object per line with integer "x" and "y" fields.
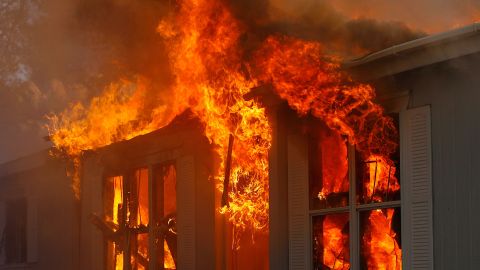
{"x": 319, "y": 21}
{"x": 56, "y": 52}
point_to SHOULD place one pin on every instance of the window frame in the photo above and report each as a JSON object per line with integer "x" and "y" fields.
{"x": 354, "y": 210}
{"x": 416, "y": 195}
{"x": 127, "y": 176}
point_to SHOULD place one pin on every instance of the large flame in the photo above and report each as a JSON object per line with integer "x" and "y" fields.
{"x": 381, "y": 248}
{"x": 313, "y": 83}
{"x": 206, "y": 63}
{"x": 210, "y": 78}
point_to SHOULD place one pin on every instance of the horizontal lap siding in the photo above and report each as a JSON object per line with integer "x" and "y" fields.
{"x": 454, "y": 94}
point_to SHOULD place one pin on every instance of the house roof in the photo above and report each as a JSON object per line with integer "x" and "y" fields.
{"x": 416, "y": 53}
{"x": 29, "y": 162}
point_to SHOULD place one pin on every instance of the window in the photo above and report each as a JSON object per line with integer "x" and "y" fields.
{"x": 127, "y": 215}
{"x": 348, "y": 210}
{"x": 372, "y": 209}
{"x": 13, "y": 233}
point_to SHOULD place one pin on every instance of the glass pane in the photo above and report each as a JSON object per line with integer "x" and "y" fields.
{"x": 378, "y": 179}
{"x": 140, "y": 197}
{"x": 328, "y": 168}
{"x": 142, "y": 250}
{"x": 170, "y": 190}
{"x": 380, "y": 239}
{"x": 165, "y": 184}
{"x": 378, "y": 176}
{"x": 330, "y": 241}
{"x": 139, "y": 219}
{"x": 113, "y": 201}
{"x": 114, "y": 256}
{"x": 170, "y": 214}
{"x": 113, "y": 197}
{"x": 168, "y": 262}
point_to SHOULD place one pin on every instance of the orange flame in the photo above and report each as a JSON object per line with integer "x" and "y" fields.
{"x": 334, "y": 163}
{"x": 382, "y": 250}
{"x": 211, "y": 78}
{"x": 335, "y": 251}
{"x": 382, "y": 178}
{"x": 313, "y": 83}
{"x": 117, "y": 188}
{"x": 168, "y": 262}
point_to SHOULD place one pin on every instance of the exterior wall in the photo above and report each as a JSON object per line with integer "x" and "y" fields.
{"x": 43, "y": 182}
{"x": 66, "y": 237}
{"x": 453, "y": 91}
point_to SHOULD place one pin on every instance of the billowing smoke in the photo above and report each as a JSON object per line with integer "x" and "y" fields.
{"x": 56, "y": 52}
{"x": 319, "y": 20}
{"x": 431, "y": 16}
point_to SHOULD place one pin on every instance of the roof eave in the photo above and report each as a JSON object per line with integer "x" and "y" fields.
{"x": 416, "y": 53}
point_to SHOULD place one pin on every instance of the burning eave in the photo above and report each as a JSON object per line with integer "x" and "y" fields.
{"x": 416, "y": 53}
{"x": 185, "y": 133}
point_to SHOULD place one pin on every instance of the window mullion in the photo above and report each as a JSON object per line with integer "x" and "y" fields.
{"x": 326, "y": 211}
{"x": 378, "y": 205}
{"x": 124, "y": 225}
{"x": 354, "y": 230}
{"x": 152, "y": 220}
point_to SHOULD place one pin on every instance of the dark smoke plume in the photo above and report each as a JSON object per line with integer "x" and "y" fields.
{"x": 321, "y": 22}
{"x": 57, "y": 52}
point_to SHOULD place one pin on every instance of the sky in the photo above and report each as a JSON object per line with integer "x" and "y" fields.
{"x": 431, "y": 16}
{"x": 57, "y": 52}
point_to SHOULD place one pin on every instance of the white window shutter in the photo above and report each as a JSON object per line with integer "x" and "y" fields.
{"x": 298, "y": 203}
{"x": 416, "y": 192}
{"x": 3, "y": 223}
{"x": 32, "y": 230}
{"x": 186, "y": 213}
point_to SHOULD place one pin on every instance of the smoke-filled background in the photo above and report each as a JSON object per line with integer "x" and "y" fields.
{"x": 57, "y": 52}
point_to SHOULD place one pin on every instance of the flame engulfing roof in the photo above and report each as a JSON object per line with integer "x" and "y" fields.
{"x": 212, "y": 73}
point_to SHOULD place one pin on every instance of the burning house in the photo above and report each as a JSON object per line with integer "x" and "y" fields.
{"x": 287, "y": 160}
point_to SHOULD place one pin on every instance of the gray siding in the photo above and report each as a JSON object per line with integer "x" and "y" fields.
{"x": 453, "y": 90}
{"x": 42, "y": 180}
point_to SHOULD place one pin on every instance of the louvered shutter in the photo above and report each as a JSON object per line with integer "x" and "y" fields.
{"x": 32, "y": 230}
{"x": 3, "y": 223}
{"x": 298, "y": 202}
{"x": 186, "y": 213}
{"x": 416, "y": 177}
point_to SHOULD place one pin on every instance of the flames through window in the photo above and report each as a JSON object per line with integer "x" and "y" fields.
{"x": 131, "y": 225}
{"x": 355, "y": 218}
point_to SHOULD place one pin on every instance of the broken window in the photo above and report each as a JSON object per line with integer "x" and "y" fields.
{"x": 137, "y": 236}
